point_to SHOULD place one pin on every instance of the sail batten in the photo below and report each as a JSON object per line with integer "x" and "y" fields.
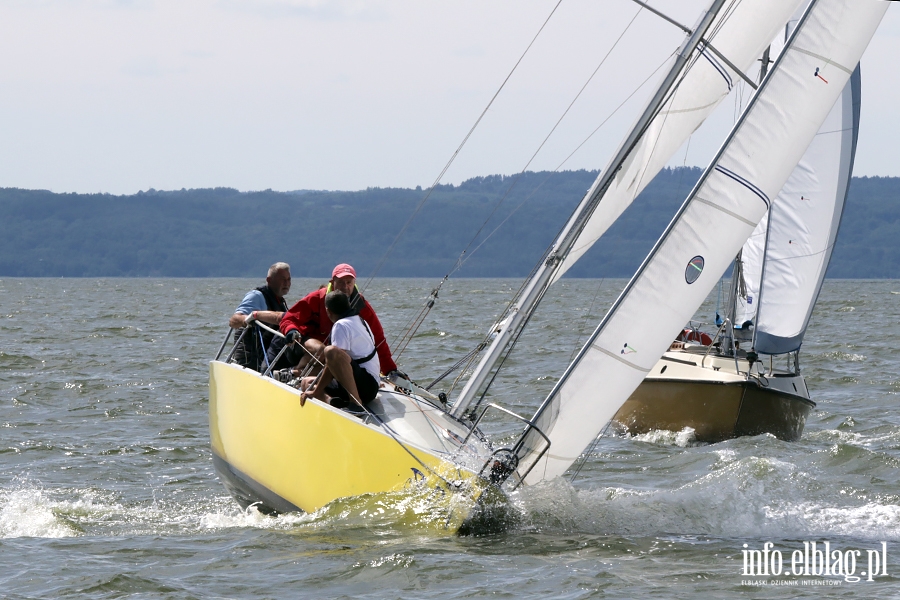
{"x": 769, "y": 139}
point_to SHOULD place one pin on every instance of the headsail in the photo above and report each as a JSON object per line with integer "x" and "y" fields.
{"x": 802, "y": 226}
{"x": 719, "y": 215}
{"x": 649, "y": 145}
{"x": 533, "y": 291}
{"x": 741, "y": 33}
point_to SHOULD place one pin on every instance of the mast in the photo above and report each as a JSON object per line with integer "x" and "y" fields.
{"x": 738, "y": 281}
{"x": 676, "y": 277}
{"x": 535, "y": 288}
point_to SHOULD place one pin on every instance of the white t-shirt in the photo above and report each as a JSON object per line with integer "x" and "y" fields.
{"x": 352, "y": 335}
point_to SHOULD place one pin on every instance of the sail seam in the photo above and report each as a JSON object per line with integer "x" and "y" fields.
{"x": 827, "y": 60}
{"x": 687, "y": 110}
{"x": 744, "y": 182}
{"x": 808, "y": 255}
{"x": 619, "y": 358}
{"x": 717, "y": 66}
{"x": 725, "y": 210}
{"x": 845, "y": 129}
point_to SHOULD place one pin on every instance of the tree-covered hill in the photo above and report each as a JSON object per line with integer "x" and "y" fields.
{"x": 504, "y": 222}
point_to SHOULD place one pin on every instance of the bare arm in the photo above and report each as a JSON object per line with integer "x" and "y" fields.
{"x": 272, "y": 317}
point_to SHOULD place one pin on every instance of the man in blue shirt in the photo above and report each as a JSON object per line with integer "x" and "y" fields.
{"x": 266, "y": 304}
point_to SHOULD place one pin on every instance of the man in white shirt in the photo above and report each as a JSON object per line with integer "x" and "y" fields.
{"x": 351, "y": 374}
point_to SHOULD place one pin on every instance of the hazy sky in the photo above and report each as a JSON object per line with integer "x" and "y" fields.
{"x": 121, "y": 96}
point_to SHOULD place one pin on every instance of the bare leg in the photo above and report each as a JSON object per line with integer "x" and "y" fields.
{"x": 311, "y": 388}
{"x": 337, "y": 364}
{"x": 315, "y": 348}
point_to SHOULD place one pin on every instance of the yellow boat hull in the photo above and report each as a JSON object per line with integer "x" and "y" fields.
{"x": 272, "y": 452}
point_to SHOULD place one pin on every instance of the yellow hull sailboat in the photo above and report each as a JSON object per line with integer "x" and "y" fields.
{"x": 279, "y": 456}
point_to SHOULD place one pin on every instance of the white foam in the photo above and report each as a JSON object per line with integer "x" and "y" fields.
{"x": 27, "y": 512}
{"x": 845, "y": 356}
{"x": 251, "y": 517}
{"x": 749, "y": 497}
{"x": 869, "y": 520}
{"x": 852, "y": 438}
{"x": 683, "y": 439}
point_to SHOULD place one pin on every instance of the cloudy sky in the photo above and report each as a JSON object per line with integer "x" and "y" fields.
{"x": 124, "y": 95}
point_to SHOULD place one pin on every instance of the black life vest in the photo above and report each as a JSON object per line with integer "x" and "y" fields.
{"x": 249, "y": 352}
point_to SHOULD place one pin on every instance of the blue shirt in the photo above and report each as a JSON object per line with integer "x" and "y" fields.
{"x": 254, "y": 300}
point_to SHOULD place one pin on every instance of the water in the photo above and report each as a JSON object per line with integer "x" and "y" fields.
{"x": 107, "y": 487}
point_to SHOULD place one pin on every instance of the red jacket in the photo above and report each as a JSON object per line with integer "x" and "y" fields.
{"x": 308, "y": 316}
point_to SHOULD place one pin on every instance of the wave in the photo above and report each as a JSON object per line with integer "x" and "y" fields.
{"x": 748, "y": 497}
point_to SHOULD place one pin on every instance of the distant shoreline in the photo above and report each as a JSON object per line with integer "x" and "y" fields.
{"x": 222, "y": 232}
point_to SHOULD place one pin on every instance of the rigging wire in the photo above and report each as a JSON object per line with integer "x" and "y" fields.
{"x": 458, "y": 149}
{"x": 412, "y": 325}
{"x": 506, "y": 354}
{"x": 565, "y": 160}
{"x": 416, "y": 321}
{"x": 582, "y": 460}
{"x": 456, "y": 365}
{"x": 462, "y": 258}
{"x": 584, "y": 319}
{"x": 560, "y": 166}
{"x": 553, "y": 129}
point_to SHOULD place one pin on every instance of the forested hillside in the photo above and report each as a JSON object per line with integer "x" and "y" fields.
{"x": 504, "y": 223}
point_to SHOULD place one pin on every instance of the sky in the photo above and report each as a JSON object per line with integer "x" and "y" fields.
{"x": 119, "y": 96}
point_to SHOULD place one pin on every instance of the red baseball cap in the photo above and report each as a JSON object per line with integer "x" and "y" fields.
{"x": 342, "y": 270}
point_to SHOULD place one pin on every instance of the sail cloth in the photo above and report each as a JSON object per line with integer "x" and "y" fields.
{"x": 740, "y": 32}
{"x": 718, "y": 216}
{"x": 802, "y": 228}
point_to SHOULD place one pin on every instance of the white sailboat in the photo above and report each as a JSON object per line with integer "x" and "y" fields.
{"x": 746, "y": 379}
{"x": 272, "y": 452}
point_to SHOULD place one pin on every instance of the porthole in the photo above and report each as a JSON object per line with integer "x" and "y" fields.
{"x": 693, "y": 269}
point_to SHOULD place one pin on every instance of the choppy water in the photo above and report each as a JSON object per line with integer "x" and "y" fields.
{"x": 107, "y": 487}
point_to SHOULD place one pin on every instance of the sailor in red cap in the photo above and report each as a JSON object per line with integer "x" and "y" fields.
{"x": 308, "y": 322}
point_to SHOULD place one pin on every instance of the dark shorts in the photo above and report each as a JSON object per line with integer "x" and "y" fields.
{"x": 365, "y": 383}
{"x": 288, "y": 359}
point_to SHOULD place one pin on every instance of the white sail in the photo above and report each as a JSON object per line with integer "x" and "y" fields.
{"x": 525, "y": 302}
{"x": 740, "y": 33}
{"x": 694, "y": 83}
{"x": 746, "y": 302}
{"x": 719, "y": 215}
{"x": 803, "y": 226}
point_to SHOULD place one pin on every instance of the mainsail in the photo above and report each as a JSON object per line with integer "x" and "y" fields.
{"x": 721, "y": 212}
{"x": 694, "y": 84}
{"x": 742, "y": 32}
{"x": 799, "y": 232}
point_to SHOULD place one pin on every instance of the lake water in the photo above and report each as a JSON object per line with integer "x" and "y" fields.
{"x": 107, "y": 487}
